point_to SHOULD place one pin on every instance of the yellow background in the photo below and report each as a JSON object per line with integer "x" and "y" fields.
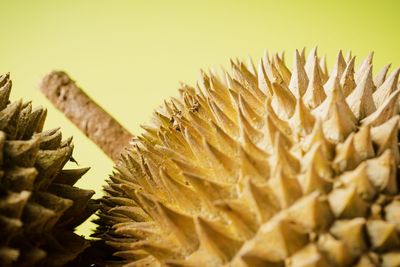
{"x": 130, "y": 55}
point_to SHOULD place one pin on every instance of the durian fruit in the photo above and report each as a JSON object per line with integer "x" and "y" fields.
{"x": 264, "y": 166}
{"x": 39, "y": 206}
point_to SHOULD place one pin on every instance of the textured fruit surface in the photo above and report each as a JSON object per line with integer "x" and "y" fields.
{"x": 264, "y": 166}
{"x": 39, "y": 206}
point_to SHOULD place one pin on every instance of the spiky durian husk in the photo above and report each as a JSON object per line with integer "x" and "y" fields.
{"x": 264, "y": 167}
{"x": 39, "y": 206}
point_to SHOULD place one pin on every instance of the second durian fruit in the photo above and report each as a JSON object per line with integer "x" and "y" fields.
{"x": 39, "y": 205}
{"x": 264, "y": 166}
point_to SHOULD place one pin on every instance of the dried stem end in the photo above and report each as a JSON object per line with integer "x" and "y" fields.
{"x": 87, "y": 115}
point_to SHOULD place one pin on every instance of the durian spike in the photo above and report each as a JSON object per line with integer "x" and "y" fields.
{"x": 299, "y": 80}
{"x": 336, "y": 72}
{"x": 347, "y": 81}
{"x": 86, "y": 114}
{"x": 381, "y": 76}
{"x": 315, "y": 93}
{"x": 310, "y": 60}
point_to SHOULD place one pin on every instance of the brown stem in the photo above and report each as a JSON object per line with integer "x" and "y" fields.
{"x": 89, "y": 117}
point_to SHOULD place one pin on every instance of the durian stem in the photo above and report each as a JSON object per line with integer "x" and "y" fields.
{"x": 106, "y": 132}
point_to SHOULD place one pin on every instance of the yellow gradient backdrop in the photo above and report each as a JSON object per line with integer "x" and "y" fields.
{"x": 130, "y": 55}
